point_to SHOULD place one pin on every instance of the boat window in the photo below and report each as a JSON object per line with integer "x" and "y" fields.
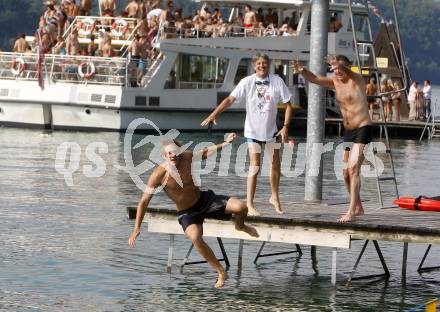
{"x": 197, "y": 72}
{"x": 335, "y": 21}
{"x": 243, "y": 69}
{"x": 359, "y": 23}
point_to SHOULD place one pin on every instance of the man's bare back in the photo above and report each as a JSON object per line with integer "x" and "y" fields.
{"x": 20, "y": 45}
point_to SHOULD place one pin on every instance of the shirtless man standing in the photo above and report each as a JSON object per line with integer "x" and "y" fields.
{"x": 350, "y": 93}
{"x": 132, "y": 9}
{"x": 370, "y": 91}
{"x": 250, "y": 20}
{"x": 20, "y": 45}
{"x": 192, "y": 204}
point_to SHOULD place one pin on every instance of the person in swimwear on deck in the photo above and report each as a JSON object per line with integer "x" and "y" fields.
{"x": 250, "y": 19}
{"x": 192, "y": 204}
{"x": 350, "y": 93}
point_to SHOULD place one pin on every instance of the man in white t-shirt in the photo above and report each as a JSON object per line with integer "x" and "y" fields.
{"x": 262, "y": 92}
{"x": 427, "y": 96}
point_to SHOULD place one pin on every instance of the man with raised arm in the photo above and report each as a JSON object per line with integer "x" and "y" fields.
{"x": 262, "y": 93}
{"x": 193, "y": 205}
{"x": 350, "y": 94}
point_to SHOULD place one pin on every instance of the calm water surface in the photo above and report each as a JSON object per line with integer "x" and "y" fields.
{"x": 65, "y": 248}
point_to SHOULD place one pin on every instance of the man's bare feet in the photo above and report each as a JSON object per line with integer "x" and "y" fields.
{"x": 359, "y": 211}
{"x": 252, "y": 211}
{"x": 222, "y": 277}
{"x": 248, "y": 229}
{"x": 346, "y": 218}
{"x": 276, "y": 204}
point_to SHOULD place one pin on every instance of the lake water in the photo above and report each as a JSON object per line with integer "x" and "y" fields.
{"x": 65, "y": 248}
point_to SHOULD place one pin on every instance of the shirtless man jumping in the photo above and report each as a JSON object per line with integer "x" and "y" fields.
{"x": 192, "y": 204}
{"x": 350, "y": 93}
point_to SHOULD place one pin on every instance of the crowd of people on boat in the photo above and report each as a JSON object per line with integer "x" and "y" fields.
{"x": 147, "y": 18}
{"x": 418, "y": 99}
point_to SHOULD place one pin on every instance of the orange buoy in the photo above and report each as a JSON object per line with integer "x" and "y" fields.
{"x": 419, "y": 203}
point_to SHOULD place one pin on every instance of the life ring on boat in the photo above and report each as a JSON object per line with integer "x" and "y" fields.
{"x": 18, "y": 66}
{"x": 88, "y": 74}
{"x": 119, "y": 28}
{"x": 86, "y": 27}
{"x": 419, "y": 203}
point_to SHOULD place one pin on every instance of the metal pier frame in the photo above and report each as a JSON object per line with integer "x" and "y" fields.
{"x": 422, "y": 269}
{"x": 386, "y": 273}
{"x": 260, "y": 255}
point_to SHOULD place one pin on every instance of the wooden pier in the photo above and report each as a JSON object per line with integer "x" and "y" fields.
{"x": 316, "y": 225}
{"x": 396, "y": 129}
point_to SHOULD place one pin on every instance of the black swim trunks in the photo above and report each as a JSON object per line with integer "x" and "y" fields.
{"x": 371, "y": 99}
{"x": 209, "y": 205}
{"x": 362, "y": 135}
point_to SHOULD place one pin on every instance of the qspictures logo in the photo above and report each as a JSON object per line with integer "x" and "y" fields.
{"x": 68, "y": 156}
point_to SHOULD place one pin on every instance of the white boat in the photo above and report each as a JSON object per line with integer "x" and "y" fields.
{"x": 185, "y": 80}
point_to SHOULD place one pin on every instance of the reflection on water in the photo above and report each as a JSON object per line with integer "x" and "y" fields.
{"x": 64, "y": 248}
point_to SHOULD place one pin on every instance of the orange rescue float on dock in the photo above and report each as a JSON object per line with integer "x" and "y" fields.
{"x": 419, "y": 203}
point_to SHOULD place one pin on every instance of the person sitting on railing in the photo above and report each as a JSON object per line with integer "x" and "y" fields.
{"x": 270, "y": 30}
{"x": 20, "y": 45}
{"x": 85, "y": 7}
{"x": 250, "y": 20}
{"x": 132, "y": 9}
{"x": 72, "y": 45}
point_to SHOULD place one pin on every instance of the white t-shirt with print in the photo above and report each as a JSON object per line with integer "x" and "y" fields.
{"x": 261, "y": 105}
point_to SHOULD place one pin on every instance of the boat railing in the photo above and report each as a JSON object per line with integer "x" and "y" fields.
{"x": 216, "y": 32}
{"x": 199, "y": 85}
{"x": 119, "y": 28}
{"x": 64, "y": 68}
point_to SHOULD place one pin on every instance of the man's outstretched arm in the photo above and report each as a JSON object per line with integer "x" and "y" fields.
{"x": 153, "y": 182}
{"x": 222, "y": 106}
{"x": 209, "y": 150}
{"x": 311, "y": 77}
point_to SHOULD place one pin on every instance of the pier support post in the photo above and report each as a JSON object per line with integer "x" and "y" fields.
{"x": 170, "y": 254}
{"x": 334, "y": 266}
{"x": 316, "y": 107}
{"x": 240, "y": 253}
{"x": 404, "y": 262}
